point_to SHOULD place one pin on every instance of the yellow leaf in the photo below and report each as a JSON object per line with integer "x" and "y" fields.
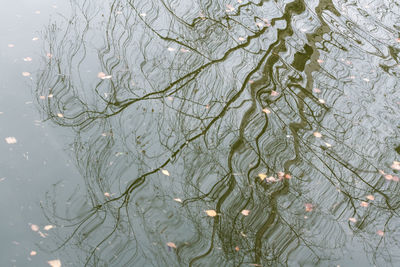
{"x": 262, "y": 176}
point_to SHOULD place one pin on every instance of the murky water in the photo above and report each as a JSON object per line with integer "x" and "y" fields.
{"x": 201, "y": 133}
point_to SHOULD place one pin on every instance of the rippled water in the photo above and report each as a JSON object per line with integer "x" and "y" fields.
{"x": 280, "y": 116}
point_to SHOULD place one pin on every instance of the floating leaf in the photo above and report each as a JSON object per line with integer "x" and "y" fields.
{"x": 165, "y": 172}
{"x": 317, "y": 134}
{"x": 262, "y": 176}
{"x": 34, "y": 227}
{"x": 245, "y": 212}
{"x": 274, "y": 93}
{"x": 103, "y": 76}
{"x": 353, "y": 220}
{"x": 328, "y": 145}
{"x": 211, "y": 213}
{"x": 48, "y": 227}
{"x": 309, "y": 207}
{"x": 54, "y": 263}
{"x": 370, "y": 197}
{"x": 11, "y": 140}
{"x": 396, "y": 165}
{"x": 230, "y": 8}
{"x": 171, "y": 245}
{"x": 266, "y": 111}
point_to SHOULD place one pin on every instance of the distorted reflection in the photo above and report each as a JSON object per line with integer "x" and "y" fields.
{"x": 280, "y": 116}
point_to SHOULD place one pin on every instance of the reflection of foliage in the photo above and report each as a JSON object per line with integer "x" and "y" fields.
{"x": 189, "y": 82}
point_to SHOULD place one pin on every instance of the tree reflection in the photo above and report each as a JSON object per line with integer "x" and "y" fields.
{"x": 217, "y": 95}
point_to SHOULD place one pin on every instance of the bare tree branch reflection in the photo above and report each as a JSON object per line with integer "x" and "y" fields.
{"x": 217, "y": 94}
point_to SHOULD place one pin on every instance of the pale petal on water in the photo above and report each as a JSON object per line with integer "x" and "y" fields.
{"x": 171, "y": 245}
{"x": 328, "y": 145}
{"x": 26, "y": 74}
{"x": 211, "y": 213}
{"x": 396, "y": 165}
{"x": 27, "y": 59}
{"x": 288, "y": 176}
{"x": 353, "y": 220}
{"x": 320, "y": 61}
{"x": 229, "y": 8}
{"x": 317, "y": 90}
{"x": 48, "y": 227}
{"x": 11, "y": 140}
{"x": 60, "y": 115}
{"x": 321, "y": 101}
{"x": 165, "y": 172}
{"x": 34, "y": 227}
{"x": 266, "y": 111}
{"x": 380, "y": 233}
{"x": 11, "y": 45}
{"x": 364, "y": 204}
{"x": 35, "y": 38}
{"x": 245, "y": 212}
{"x": 274, "y": 93}
{"x": 388, "y": 177}
{"x": 33, "y": 253}
{"x": 178, "y": 200}
{"x": 309, "y": 207}
{"x": 317, "y": 134}
{"x": 370, "y": 197}
{"x": 54, "y": 263}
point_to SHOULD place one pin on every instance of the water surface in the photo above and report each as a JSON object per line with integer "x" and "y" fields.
{"x": 206, "y": 133}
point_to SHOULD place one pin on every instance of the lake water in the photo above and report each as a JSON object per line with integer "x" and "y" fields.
{"x": 199, "y": 133}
